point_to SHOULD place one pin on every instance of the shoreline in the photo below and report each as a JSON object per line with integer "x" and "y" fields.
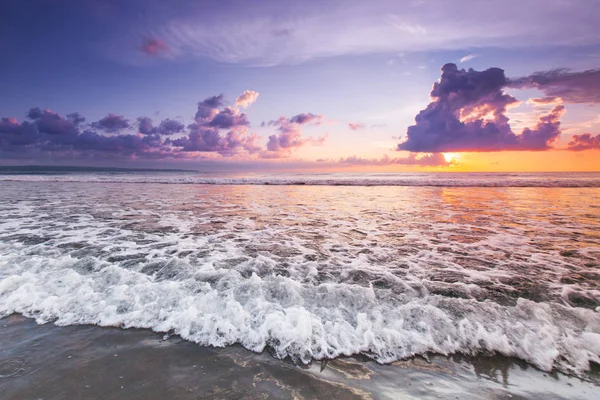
{"x": 86, "y": 361}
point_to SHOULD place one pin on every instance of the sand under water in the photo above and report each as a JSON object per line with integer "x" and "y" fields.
{"x": 88, "y": 362}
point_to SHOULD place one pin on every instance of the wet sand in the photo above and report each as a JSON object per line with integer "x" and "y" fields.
{"x": 89, "y": 362}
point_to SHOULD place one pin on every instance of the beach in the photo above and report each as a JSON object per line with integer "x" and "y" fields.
{"x": 87, "y": 362}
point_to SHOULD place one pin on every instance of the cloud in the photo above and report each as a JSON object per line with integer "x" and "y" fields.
{"x": 264, "y": 34}
{"x": 467, "y": 58}
{"x": 572, "y": 87}
{"x": 426, "y": 160}
{"x": 154, "y": 47}
{"x": 245, "y": 99}
{"x": 112, "y": 123}
{"x": 218, "y": 129}
{"x": 208, "y": 108}
{"x": 207, "y": 139}
{"x": 544, "y": 101}
{"x": 205, "y": 134}
{"x": 356, "y": 126}
{"x": 229, "y": 118}
{"x": 51, "y": 123}
{"x": 166, "y": 127}
{"x": 467, "y": 113}
{"x": 290, "y": 136}
{"x": 51, "y": 135}
{"x": 170, "y": 127}
{"x": 584, "y": 142}
{"x": 223, "y": 131}
{"x": 145, "y": 126}
{"x": 306, "y": 118}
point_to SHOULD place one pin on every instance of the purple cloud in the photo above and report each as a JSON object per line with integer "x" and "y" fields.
{"x": 112, "y": 123}
{"x": 205, "y": 134}
{"x": 571, "y": 87}
{"x": 15, "y": 136}
{"x": 584, "y": 142}
{"x": 468, "y": 114}
{"x": 166, "y": 127}
{"x": 51, "y": 135}
{"x": 229, "y": 118}
{"x": 356, "y": 126}
{"x": 290, "y": 135}
{"x": 217, "y": 129}
{"x": 209, "y": 107}
{"x": 53, "y": 124}
{"x": 170, "y": 127}
{"x": 306, "y": 118}
{"x": 145, "y": 126}
{"x": 208, "y": 139}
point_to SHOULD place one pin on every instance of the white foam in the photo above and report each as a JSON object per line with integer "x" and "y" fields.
{"x": 575, "y": 180}
{"x": 309, "y": 273}
{"x": 301, "y": 321}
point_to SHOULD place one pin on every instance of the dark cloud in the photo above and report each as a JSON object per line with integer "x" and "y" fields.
{"x": 154, "y": 47}
{"x": 51, "y": 135}
{"x": 112, "y": 123}
{"x": 166, "y": 127}
{"x": 306, "y": 118}
{"x": 356, "y": 126}
{"x": 53, "y": 124}
{"x": 584, "y": 142}
{"x": 571, "y": 87}
{"x": 468, "y": 114}
{"x": 427, "y": 160}
{"x": 34, "y": 113}
{"x": 170, "y": 127}
{"x": 15, "y": 136}
{"x": 209, "y": 107}
{"x": 145, "y": 126}
{"x": 228, "y": 118}
{"x": 217, "y": 129}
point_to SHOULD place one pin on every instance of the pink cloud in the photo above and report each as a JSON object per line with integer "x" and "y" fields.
{"x": 584, "y": 142}
{"x": 154, "y": 47}
{"x": 290, "y": 136}
{"x": 246, "y": 99}
{"x": 356, "y": 126}
{"x": 427, "y": 160}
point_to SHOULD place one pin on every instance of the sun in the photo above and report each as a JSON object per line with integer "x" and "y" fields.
{"x": 451, "y": 157}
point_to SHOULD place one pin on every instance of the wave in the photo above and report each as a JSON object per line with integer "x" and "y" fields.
{"x": 387, "y": 276}
{"x": 425, "y": 181}
{"x": 303, "y": 322}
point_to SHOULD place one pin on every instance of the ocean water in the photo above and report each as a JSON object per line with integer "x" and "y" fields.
{"x": 314, "y": 266}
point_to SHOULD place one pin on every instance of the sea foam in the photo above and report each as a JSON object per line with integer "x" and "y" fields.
{"x": 312, "y": 273}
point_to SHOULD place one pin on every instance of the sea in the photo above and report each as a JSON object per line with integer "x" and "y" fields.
{"x": 313, "y": 266}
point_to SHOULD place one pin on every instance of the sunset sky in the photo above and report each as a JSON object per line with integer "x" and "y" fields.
{"x": 348, "y": 85}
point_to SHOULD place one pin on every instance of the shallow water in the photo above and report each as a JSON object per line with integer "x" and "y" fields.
{"x": 313, "y": 272}
{"x": 89, "y": 362}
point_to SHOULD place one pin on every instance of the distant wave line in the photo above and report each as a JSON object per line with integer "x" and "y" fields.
{"x": 489, "y": 183}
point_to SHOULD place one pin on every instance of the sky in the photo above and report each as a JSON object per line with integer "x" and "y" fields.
{"x": 328, "y": 85}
